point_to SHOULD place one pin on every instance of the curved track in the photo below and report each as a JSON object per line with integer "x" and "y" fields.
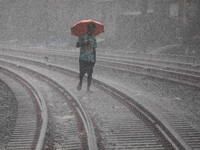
{"x": 125, "y": 127}
{"x": 115, "y": 133}
{"x": 31, "y": 117}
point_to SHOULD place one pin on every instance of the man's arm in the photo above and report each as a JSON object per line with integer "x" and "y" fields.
{"x": 82, "y": 44}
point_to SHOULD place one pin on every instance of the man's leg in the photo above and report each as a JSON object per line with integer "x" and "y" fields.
{"x": 89, "y": 73}
{"x": 89, "y": 80}
{"x": 82, "y": 68}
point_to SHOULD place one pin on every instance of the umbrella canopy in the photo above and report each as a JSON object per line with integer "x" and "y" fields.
{"x": 81, "y": 28}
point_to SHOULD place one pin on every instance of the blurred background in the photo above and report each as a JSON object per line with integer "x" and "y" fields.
{"x": 137, "y": 25}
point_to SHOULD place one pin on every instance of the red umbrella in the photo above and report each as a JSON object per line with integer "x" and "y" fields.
{"x": 81, "y": 28}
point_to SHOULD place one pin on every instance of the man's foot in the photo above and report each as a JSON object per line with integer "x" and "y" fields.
{"x": 79, "y": 87}
{"x": 88, "y": 90}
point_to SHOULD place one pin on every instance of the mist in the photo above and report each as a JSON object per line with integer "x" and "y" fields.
{"x": 137, "y": 25}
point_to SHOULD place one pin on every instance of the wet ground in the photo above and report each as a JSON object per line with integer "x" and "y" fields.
{"x": 182, "y": 100}
{"x": 8, "y": 112}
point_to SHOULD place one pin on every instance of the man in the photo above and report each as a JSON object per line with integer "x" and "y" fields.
{"x": 87, "y": 58}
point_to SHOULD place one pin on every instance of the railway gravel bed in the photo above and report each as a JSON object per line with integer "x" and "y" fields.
{"x": 177, "y": 105}
{"x": 8, "y": 112}
{"x": 115, "y": 121}
{"x": 27, "y": 116}
{"x": 180, "y": 99}
{"x": 63, "y": 131}
{"x": 156, "y": 95}
{"x": 170, "y": 95}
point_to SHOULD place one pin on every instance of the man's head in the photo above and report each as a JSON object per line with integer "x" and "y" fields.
{"x": 91, "y": 27}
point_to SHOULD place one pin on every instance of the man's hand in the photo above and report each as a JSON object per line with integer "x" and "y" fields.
{"x": 82, "y": 44}
{"x": 87, "y": 43}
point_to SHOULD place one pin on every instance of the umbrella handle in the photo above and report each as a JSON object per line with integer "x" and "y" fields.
{"x": 85, "y": 39}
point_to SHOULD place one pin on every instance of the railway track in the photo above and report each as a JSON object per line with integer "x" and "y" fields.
{"x": 175, "y": 63}
{"x": 31, "y": 116}
{"x": 28, "y": 133}
{"x": 114, "y": 132}
{"x": 179, "y": 72}
{"x": 151, "y": 65}
{"x": 130, "y": 126}
{"x": 126, "y": 57}
{"x": 182, "y": 128}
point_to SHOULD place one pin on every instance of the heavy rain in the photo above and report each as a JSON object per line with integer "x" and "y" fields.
{"x": 149, "y": 50}
{"x": 133, "y": 25}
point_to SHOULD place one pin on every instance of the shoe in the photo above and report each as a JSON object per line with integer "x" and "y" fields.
{"x": 79, "y": 87}
{"x": 88, "y": 90}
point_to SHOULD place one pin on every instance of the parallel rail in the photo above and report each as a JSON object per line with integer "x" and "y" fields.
{"x": 40, "y": 129}
{"x": 85, "y": 127}
{"x": 180, "y": 143}
{"x": 191, "y": 78}
{"x": 159, "y": 73}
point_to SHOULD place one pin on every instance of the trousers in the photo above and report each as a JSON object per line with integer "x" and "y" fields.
{"x": 86, "y": 67}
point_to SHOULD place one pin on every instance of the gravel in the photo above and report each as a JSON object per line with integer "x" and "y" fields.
{"x": 183, "y": 100}
{"x": 180, "y": 99}
{"x": 8, "y": 113}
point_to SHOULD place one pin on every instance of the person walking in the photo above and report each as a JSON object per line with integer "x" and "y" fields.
{"x": 87, "y": 58}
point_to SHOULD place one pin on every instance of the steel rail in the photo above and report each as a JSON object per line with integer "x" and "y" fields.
{"x": 84, "y": 114}
{"x": 174, "y": 76}
{"x": 134, "y": 62}
{"x": 138, "y": 69}
{"x": 41, "y": 102}
{"x": 168, "y": 131}
{"x": 165, "y": 65}
{"x": 124, "y": 54}
{"x": 164, "y": 74}
{"x": 115, "y": 54}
